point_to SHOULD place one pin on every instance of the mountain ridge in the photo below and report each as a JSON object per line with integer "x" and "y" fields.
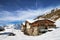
{"x": 53, "y": 15}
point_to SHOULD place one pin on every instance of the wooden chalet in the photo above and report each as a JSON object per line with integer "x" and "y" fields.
{"x": 37, "y": 26}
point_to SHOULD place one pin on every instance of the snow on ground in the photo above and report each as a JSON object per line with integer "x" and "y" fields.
{"x": 58, "y": 23}
{"x": 53, "y": 35}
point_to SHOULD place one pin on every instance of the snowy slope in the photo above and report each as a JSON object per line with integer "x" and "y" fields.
{"x": 54, "y": 35}
{"x": 57, "y": 22}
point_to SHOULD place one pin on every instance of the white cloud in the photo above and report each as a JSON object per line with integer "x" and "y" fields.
{"x": 20, "y": 15}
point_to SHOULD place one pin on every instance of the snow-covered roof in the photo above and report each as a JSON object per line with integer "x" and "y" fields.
{"x": 41, "y": 18}
{"x": 51, "y": 20}
{"x": 30, "y": 20}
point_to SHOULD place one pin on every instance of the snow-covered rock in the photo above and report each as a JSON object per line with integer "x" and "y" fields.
{"x": 12, "y": 26}
{"x": 17, "y": 26}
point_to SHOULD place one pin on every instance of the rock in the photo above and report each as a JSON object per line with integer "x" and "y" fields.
{"x": 11, "y": 34}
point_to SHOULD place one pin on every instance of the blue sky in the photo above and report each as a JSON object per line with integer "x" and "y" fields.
{"x": 12, "y": 5}
{"x": 15, "y": 11}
